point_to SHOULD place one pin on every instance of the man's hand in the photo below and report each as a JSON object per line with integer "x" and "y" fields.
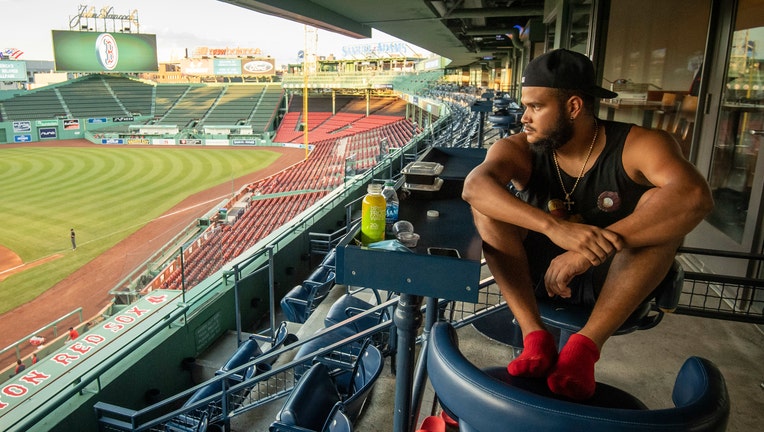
{"x": 562, "y": 269}
{"x": 593, "y": 243}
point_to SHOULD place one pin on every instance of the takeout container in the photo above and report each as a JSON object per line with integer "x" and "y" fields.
{"x": 422, "y": 173}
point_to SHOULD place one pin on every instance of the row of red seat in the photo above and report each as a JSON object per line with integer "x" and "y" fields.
{"x": 302, "y": 185}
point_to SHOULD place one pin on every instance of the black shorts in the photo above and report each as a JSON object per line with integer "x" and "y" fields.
{"x": 585, "y": 288}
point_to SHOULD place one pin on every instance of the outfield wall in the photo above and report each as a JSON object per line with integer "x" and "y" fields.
{"x": 25, "y": 131}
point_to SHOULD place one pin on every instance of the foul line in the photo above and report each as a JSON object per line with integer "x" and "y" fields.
{"x": 42, "y": 260}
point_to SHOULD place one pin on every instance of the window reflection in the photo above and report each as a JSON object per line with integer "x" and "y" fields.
{"x": 653, "y": 61}
{"x": 740, "y": 129}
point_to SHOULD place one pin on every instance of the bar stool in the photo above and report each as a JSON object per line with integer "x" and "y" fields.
{"x": 490, "y": 400}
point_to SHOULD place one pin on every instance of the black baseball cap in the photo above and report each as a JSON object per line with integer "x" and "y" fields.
{"x": 564, "y": 69}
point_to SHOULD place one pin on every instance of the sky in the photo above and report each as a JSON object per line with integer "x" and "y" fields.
{"x": 179, "y": 25}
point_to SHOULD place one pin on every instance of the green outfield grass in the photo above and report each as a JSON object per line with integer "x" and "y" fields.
{"x": 104, "y": 193}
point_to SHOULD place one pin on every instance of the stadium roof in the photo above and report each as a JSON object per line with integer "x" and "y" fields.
{"x": 465, "y": 31}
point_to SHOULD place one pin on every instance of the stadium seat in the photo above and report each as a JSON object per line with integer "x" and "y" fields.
{"x": 348, "y": 306}
{"x": 356, "y": 384}
{"x": 432, "y": 424}
{"x": 338, "y": 421}
{"x": 204, "y": 392}
{"x": 330, "y": 382}
{"x": 301, "y": 301}
{"x": 246, "y": 352}
{"x": 477, "y": 398}
{"x": 309, "y": 403}
{"x": 281, "y": 339}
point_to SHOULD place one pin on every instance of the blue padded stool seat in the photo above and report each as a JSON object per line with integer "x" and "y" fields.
{"x": 605, "y": 396}
{"x": 571, "y": 318}
{"x": 483, "y": 403}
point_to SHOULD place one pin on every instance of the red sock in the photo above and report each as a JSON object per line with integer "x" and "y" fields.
{"x": 573, "y": 376}
{"x": 538, "y": 356}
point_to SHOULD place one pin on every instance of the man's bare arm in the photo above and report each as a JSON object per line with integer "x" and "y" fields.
{"x": 680, "y": 199}
{"x": 485, "y": 190}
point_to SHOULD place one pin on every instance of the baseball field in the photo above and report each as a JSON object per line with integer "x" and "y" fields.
{"x": 104, "y": 193}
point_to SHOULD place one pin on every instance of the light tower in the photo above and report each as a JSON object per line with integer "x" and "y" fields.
{"x": 308, "y": 68}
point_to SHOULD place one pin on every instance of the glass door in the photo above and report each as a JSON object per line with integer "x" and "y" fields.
{"x": 736, "y": 172}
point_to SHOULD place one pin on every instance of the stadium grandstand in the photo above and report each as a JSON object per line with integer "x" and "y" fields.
{"x": 267, "y": 312}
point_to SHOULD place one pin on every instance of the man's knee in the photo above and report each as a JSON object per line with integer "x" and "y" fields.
{"x": 494, "y": 230}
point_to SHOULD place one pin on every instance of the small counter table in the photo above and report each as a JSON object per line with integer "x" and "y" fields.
{"x": 417, "y": 274}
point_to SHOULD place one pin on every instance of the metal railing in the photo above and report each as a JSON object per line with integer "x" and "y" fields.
{"x": 48, "y": 331}
{"x": 726, "y": 297}
{"x": 235, "y": 396}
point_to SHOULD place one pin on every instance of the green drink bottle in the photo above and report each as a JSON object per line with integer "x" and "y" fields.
{"x": 373, "y": 210}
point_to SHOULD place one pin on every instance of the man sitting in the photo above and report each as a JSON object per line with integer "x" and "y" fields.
{"x": 587, "y": 210}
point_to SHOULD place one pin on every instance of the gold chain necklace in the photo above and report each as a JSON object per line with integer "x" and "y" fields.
{"x": 568, "y": 202}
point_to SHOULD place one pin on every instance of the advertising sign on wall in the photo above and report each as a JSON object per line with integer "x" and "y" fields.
{"x": 218, "y": 66}
{"x": 71, "y": 124}
{"x": 196, "y": 66}
{"x": 227, "y": 66}
{"x": 22, "y": 126}
{"x": 13, "y": 70}
{"x": 47, "y": 133}
{"x": 81, "y": 51}
{"x": 258, "y": 67}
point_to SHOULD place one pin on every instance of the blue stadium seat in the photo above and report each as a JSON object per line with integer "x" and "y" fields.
{"x": 302, "y": 300}
{"x": 313, "y": 402}
{"x": 338, "y": 421}
{"x": 281, "y": 337}
{"x": 204, "y": 392}
{"x": 308, "y": 406}
{"x": 349, "y": 305}
{"x": 359, "y": 380}
{"x": 478, "y": 398}
{"x": 248, "y": 350}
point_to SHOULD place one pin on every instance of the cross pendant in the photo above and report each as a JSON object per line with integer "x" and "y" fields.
{"x": 568, "y": 202}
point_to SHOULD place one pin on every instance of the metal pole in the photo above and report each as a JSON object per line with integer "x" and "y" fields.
{"x": 236, "y": 303}
{"x": 182, "y": 275}
{"x": 407, "y": 319}
{"x": 271, "y": 293}
{"x": 420, "y": 375}
{"x": 480, "y": 129}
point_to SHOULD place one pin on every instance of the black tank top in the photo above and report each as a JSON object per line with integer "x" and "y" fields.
{"x": 604, "y": 195}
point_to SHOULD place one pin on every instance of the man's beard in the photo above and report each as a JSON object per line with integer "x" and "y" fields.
{"x": 556, "y": 138}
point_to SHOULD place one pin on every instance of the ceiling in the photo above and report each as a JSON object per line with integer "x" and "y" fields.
{"x": 464, "y": 31}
